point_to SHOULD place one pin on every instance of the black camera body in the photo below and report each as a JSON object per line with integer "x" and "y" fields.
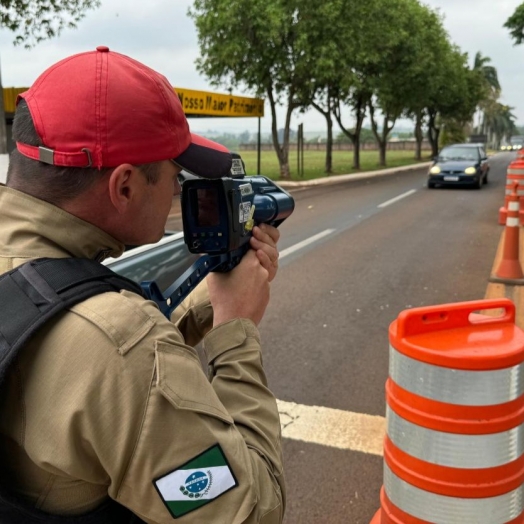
{"x": 219, "y": 215}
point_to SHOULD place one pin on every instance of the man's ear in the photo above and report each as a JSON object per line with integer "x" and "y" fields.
{"x": 123, "y": 186}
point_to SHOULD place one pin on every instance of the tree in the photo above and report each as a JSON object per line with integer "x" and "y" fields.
{"x": 488, "y": 78}
{"x": 515, "y": 24}
{"x": 321, "y": 56}
{"x": 399, "y": 67}
{"x": 378, "y": 56}
{"x": 360, "y": 53}
{"x": 426, "y": 70}
{"x": 253, "y": 43}
{"x": 35, "y": 20}
{"x": 452, "y": 133}
{"x": 488, "y": 72}
{"x": 453, "y": 103}
{"x": 499, "y": 122}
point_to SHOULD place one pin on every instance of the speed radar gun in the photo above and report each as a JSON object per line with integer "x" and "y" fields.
{"x": 218, "y": 217}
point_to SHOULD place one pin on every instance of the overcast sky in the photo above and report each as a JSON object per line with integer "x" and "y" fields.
{"x": 160, "y": 34}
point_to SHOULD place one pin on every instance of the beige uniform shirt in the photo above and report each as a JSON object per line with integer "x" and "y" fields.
{"x": 110, "y": 399}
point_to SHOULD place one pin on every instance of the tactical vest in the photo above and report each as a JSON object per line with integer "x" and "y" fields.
{"x": 32, "y": 294}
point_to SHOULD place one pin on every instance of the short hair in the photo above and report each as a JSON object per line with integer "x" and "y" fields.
{"x": 54, "y": 184}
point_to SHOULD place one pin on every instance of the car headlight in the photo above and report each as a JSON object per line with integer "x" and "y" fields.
{"x": 435, "y": 170}
{"x": 470, "y": 170}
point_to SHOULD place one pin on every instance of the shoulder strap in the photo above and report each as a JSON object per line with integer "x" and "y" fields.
{"x": 36, "y": 291}
{"x": 29, "y": 296}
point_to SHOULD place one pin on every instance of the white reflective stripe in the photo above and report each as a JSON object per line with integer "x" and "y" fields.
{"x": 512, "y": 222}
{"x": 441, "y": 509}
{"x": 513, "y": 206}
{"x": 513, "y": 171}
{"x": 452, "y": 449}
{"x": 456, "y": 386}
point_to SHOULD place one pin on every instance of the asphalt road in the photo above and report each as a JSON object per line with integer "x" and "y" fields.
{"x": 353, "y": 257}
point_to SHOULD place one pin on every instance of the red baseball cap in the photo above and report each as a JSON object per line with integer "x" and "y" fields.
{"x": 104, "y": 109}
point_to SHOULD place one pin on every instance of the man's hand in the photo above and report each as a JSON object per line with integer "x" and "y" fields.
{"x": 243, "y": 292}
{"x": 264, "y": 242}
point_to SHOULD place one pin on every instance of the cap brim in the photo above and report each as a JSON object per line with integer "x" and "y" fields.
{"x": 205, "y": 158}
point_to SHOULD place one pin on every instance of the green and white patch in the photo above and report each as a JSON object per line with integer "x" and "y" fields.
{"x": 196, "y": 483}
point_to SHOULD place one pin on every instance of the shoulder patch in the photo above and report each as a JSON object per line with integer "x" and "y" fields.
{"x": 196, "y": 483}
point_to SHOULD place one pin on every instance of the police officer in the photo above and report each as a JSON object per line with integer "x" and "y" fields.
{"x": 107, "y": 415}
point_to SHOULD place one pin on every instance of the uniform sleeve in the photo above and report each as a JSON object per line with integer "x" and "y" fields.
{"x": 238, "y": 378}
{"x": 194, "y": 317}
{"x": 207, "y": 452}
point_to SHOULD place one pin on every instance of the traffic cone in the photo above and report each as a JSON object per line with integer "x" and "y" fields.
{"x": 455, "y": 410}
{"x": 510, "y": 270}
{"x": 515, "y": 174}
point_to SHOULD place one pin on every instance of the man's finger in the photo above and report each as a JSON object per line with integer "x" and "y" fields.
{"x": 269, "y": 265}
{"x": 267, "y": 233}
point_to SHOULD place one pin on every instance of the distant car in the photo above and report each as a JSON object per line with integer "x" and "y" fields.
{"x": 516, "y": 142}
{"x": 460, "y": 165}
{"x": 504, "y": 147}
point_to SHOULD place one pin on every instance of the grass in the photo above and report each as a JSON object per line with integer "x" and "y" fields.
{"x": 314, "y": 162}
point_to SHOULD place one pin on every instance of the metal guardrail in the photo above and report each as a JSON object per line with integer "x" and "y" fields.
{"x": 162, "y": 262}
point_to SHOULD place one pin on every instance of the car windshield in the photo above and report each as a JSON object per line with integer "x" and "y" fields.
{"x": 459, "y": 153}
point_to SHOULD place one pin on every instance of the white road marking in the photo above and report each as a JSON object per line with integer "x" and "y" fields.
{"x": 393, "y": 200}
{"x": 305, "y": 243}
{"x": 332, "y": 427}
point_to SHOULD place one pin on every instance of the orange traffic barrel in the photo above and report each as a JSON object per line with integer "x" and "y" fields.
{"x": 454, "y": 447}
{"x": 514, "y": 174}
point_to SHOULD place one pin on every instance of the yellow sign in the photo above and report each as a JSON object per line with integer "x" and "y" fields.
{"x": 194, "y": 103}
{"x": 10, "y": 94}
{"x": 205, "y": 103}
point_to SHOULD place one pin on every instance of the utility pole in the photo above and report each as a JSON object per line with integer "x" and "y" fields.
{"x": 3, "y": 128}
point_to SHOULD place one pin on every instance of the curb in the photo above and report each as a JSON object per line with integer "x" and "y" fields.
{"x": 338, "y": 179}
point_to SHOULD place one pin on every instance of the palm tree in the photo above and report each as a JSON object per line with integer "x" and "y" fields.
{"x": 488, "y": 72}
{"x": 499, "y": 122}
{"x": 515, "y": 24}
{"x": 489, "y": 78}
